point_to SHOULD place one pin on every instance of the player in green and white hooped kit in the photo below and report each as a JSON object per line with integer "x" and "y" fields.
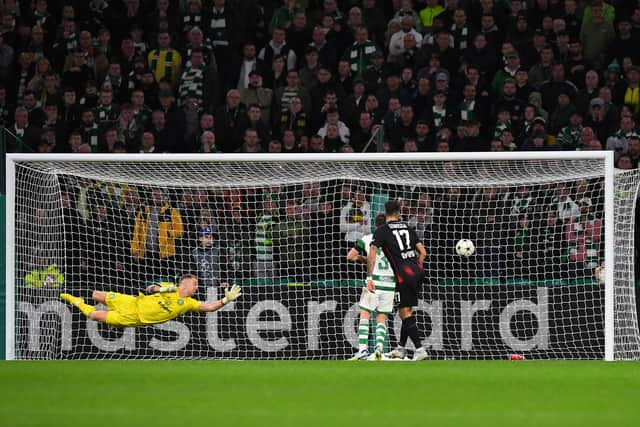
{"x": 379, "y": 301}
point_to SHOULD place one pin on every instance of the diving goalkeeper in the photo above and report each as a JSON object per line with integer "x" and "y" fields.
{"x": 162, "y": 304}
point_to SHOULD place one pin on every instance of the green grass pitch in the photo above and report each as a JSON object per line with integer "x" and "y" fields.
{"x": 319, "y": 393}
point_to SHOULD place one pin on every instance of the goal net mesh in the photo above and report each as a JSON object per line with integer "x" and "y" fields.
{"x": 282, "y": 229}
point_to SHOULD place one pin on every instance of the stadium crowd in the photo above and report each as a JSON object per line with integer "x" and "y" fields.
{"x": 123, "y": 235}
{"x": 320, "y": 75}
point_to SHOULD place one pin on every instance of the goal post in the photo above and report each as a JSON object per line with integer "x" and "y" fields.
{"x": 10, "y": 274}
{"x": 281, "y": 224}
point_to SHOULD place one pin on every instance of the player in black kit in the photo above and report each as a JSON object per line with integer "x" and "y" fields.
{"x": 405, "y": 252}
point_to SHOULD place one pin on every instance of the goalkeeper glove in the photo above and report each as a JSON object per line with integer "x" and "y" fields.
{"x": 231, "y": 294}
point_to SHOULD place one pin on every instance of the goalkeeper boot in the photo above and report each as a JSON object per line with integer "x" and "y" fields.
{"x": 420, "y": 354}
{"x": 76, "y": 301}
{"x": 397, "y": 353}
{"x": 378, "y": 353}
{"x": 361, "y": 355}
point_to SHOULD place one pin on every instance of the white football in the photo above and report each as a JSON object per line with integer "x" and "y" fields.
{"x": 465, "y": 247}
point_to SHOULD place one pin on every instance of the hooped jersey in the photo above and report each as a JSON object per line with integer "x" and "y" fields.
{"x": 382, "y": 270}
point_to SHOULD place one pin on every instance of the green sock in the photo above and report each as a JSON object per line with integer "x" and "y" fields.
{"x": 363, "y": 335}
{"x": 381, "y": 334}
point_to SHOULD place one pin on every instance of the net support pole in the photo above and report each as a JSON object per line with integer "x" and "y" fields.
{"x": 609, "y": 261}
{"x": 10, "y": 282}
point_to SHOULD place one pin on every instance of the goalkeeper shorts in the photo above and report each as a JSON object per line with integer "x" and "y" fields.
{"x": 381, "y": 301}
{"x": 123, "y": 310}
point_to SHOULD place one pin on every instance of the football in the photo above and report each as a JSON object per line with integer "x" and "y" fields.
{"x": 465, "y": 247}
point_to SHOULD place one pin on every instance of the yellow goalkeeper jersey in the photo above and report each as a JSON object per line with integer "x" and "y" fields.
{"x": 161, "y": 307}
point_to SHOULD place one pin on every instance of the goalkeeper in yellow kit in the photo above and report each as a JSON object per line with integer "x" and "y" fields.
{"x": 161, "y": 305}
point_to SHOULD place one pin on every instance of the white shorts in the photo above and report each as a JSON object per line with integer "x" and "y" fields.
{"x": 380, "y": 302}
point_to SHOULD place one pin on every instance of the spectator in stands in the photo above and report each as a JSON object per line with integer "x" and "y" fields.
{"x": 583, "y": 240}
{"x": 278, "y": 47}
{"x": 633, "y": 150}
{"x": 550, "y": 246}
{"x": 116, "y": 81}
{"x": 21, "y": 137}
{"x": 229, "y": 119}
{"x": 439, "y": 115}
{"x": 207, "y": 142}
{"x": 219, "y": 23}
{"x": 310, "y": 68}
{"x": 289, "y": 238}
{"x": 327, "y": 52}
{"x": 148, "y": 144}
{"x": 567, "y": 209}
{"x": 209, "y": 259}
{"x": 560, "y": 115}
{"x": 274, "y": 146}
{"x": 109, "y": 140}
{"x": 325, "y": 84}
{"x": 596, "y": 119}
{"x": 596, "y": 34}
{"x": 192, "y": 17}
{"x": 569, "y": 136}
{"x": 106, "y": 111}
{"x": 564, "y": 56}
{"x": 254, "y": 121}
{"x": 167, "y": 138}
{"x": 512, "y": 61}
{"x": 78, "y": 72}
{"x": 264, "y": 267}
{"x": 298, "y": 34}
{"x": 36, "y": 114}
{"x": 255, "y": 93}
{"x": 199, "y": 81}
{"x": 628, "y": 92}
{"x": 283, "y": 95}
{"x": 397, "y": 45}
{"x": 165, "y": 61}
{"x": 619, "y": 140}
{"x": 157, "y": 226}
{"x": 89, "y": 130}
{"x": 541, "y": 71}
{"x": 589, "y": 90}
{"x": 625, "y": 43}
{"x": 363, "y": 133}
{"x": 251, "y": 142}
{"x": 400, "y": 130}
{"x": 556, "y": 85}
{"x": 477, "y": 54}
{"x": 428, "y": 14}
{"x": 624, "y": 162}
{"x": 359, "y": 54}
{"x": 294, "y": 119}
{"x": 289, "y": 143}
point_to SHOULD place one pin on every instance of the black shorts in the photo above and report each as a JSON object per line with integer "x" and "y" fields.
{"x": 408, "y": 289}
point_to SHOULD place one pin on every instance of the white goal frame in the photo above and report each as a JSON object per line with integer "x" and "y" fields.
{"x": 609, "y": 189}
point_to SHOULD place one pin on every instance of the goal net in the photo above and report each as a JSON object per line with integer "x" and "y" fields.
{"x": 281, "y": 228}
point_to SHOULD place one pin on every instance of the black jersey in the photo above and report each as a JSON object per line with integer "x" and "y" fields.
{"x": 398, "y": 242}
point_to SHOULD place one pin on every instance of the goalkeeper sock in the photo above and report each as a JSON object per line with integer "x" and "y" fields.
{"x": 381, "y": 334}
{"x": 86, "y": 309}
{"x": 411, "y": 327}
{"x": 363, "y": 335}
